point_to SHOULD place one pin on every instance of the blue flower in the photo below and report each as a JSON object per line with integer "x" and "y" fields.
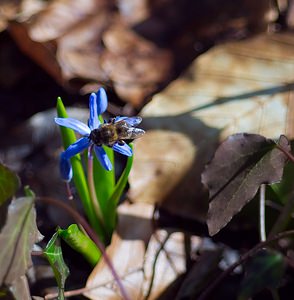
{"x": 98, "y": 105}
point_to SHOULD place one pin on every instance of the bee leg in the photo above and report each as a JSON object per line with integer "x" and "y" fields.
{"x": 111, "y": 121}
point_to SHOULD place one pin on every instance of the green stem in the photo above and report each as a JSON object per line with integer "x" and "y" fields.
{"x": 94, "y": 199}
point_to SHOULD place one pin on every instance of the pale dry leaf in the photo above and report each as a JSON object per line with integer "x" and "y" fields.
{"x": 8, "y": 11}
{"x": 59, "y": 16}
{"x": 135, "y": 66}
{"x": 17, "y": 239}
{"x": 20, "y": 288}
{"x": 134, "y": 11}
{"x": 165, "y": 260}
{"x": 244, "y": 86}
{"x": 126, "y": 252}
{"x": 143, "y": 271}
{"x": 79, "y": 50}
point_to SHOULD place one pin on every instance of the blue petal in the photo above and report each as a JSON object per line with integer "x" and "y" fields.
{"x": 101, "y": 101}
{"x": 74, "y": 124}
{"x": 103, "y": 158}
{"x": 65, "y": 168}
{"x": 77, "y": 147}
{"x": 93, "y": 120}
{"x": 124, "y": 149}
{"x": 132, "y": 121}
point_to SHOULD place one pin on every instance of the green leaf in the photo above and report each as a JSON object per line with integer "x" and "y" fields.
{"x": 29, "y": 192}
{"x": 81, "y": 243}
{"x": 68, "y": 137}
{"x": 265, "y": 270}
{"x": 241, "y": 164}
{"x": 283, "y": 190}
{"x": 17, "y": 238}
{"x": 9, "y": 183}
{"x": 118, "y": 190}
{"x": 53, "y": 253}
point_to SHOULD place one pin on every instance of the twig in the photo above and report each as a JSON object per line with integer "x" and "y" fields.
{"x": 262, "y": 213}
{"x": 79, "y": 219}
{"x": 242, "y": 259}
{"x": 154, "y": 266}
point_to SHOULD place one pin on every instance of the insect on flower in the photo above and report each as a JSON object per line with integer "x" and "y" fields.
{"x": 112, "y": 134}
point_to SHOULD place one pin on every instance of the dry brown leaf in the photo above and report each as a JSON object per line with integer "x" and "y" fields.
{"x": 126, "y": 252}
{"x": 43, "y": 54}
{"x": 239, "y": 87}
{"x": 165, "y": 259}
{"x": 164, "y": 256}
{"x": 135, "y": 65}
{"x": 133, "y": 11}
{"x": 60, "y": 16}
{"x": 79, "y": 50}
{"x": 8, "y": 10}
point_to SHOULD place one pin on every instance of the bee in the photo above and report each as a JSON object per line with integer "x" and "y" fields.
{"x": 117, "y": 130}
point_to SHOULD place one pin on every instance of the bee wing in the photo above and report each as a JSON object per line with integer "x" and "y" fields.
{"x": 132, "y": 121}
{"x": 134, "y": 133}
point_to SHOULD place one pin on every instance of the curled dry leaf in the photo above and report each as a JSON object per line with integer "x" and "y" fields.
{"x": 244, "y": 86}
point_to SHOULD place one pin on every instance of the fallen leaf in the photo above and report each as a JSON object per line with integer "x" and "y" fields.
{"x": 246, "y": 86}
{"x": 126, "y": 252}
{"x": 142, "y": 271}
{"x": 43, "y": 54}
{"x": 17, "y": 239}
{"x": 136, "y": 66}
{"x": 79, "y": 50}
{"x": 59, "y": 16}
{"x": 20, "y": 288}
{"x": 240, "y": 165}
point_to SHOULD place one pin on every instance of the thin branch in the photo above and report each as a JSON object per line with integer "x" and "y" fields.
{"x": 262, "y": 213}
{"x": 79, "y": 219}
{"x": 154, "y": 266}
{"x": 242, "y": 259}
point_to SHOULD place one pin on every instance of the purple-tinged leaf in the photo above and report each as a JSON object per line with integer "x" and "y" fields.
{"x": 241, "y": 164}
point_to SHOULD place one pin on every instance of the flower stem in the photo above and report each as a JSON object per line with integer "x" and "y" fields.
{"x": 79, "y": 219}
{"x": 94, "y": 199}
